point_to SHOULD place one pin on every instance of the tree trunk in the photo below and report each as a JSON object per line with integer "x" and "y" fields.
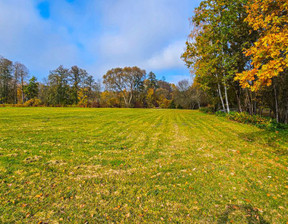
{"x": 276, "y": 104}
{"x": 125, "y": 100}
{"x": 76, "y": 95}
{"x": 226, "y": 97}
{"x": 250, "y": 106}
{"x": 255, "y": 107}
{"x": 22, "y": 89}
{"x": 286, "y": 112}
{"x": 221, "y": 98}
{"x": 15, "y": 89}
{"x": 239, "y": 101}
{"x": 270, "y": 113}
{"x": 131, "y": 96}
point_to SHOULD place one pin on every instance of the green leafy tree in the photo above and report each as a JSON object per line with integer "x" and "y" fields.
{"x": 31, "y": 90}
{"x": 152, "y": 81}
{"x": 59, "y": 90}
{"x": 77, "y": 78}
{"x": 6, "y": 81}
{"x": 214, "y": 51}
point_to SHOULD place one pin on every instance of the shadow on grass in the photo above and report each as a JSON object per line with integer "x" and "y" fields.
{"x": 277, "y": 140}
{"x": 251, "y": 214}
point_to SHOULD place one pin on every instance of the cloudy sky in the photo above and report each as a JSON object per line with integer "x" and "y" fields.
{"x": 97, "y": 35}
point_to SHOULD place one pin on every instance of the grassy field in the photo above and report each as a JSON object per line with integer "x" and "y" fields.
{"x": 74, "y": 165}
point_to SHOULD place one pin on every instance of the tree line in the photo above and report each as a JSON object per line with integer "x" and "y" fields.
{"x": 121, "y": 87}
{"x": 238, "y": 52}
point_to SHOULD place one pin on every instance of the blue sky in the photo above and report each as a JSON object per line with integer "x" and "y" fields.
{"x": 97, "y": 35}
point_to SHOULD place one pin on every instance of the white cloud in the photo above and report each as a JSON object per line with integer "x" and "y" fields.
{"x": 176, "y": 78}
{"x": 168, "y": 58}
{"x": 28, "y": 38}
{"x": 140, "y": 33}
{"x": 96, "y": 35}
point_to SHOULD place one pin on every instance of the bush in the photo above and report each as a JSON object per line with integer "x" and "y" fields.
{"x": 17, "y": 105}
{"x": 165, "y": 103}
{"x": 172, "y": 105}
{"x": 33, "y": 103}
{"x": 257, "y": 120}
{"x": 95, "y": 104}
{"x": 207, "y": 110}
{"x": 220, "y": 114}
{"x": 274, "y": 126}
{"x": 249, "y": 119}
{"x": 179, "y": 107}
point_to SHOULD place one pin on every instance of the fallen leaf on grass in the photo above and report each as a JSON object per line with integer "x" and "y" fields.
{"x": 39, "y": 195}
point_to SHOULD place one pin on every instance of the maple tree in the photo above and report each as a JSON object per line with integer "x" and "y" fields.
{"x": 269, "y": 52}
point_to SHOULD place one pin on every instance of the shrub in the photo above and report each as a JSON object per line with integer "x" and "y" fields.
{"x": 207, "y": 110}
{"x": 95, "y": 104}
{"x": 274, "y": 126}
{"x": 17, "y": 105}
{"x": 33, "y": 103}
{"x": 220, "y": 114}
{"x": 179, "y": 107}
{"x": 249, "y": 119}
{"x": 165, "y": 103}
{"x": 257, "y": 120}
{"x": 172, "y": 105}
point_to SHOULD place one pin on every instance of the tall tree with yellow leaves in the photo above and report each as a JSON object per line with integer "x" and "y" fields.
{"x": 269, "y": 53}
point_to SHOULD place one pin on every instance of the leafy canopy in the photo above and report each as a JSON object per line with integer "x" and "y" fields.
{"x": 269, "y": 52}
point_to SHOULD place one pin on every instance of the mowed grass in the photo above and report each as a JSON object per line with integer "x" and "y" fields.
{"x": 74, "y": 165}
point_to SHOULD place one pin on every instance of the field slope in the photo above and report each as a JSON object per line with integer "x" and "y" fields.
{"x": 73, "y": 165}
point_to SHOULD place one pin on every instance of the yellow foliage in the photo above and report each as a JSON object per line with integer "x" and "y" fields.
{"x": 269, "y": 53}
{"x": 150, "y": 97}
{"x": 110, "y": 99}
{"x": 82, "y": 97}
{"x": 33, "y": 103}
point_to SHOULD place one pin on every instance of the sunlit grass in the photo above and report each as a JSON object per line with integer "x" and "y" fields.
{"x": 73, "y": 165}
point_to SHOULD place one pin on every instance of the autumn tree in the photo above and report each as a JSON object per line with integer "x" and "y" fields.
{"x": 269, "y": 61}
{"x": 183, "y": 95}
{"x": 269, "y": 52}
{"x": 214, "y": 51}
{"x": 126, "y": 81}
{"x": 92, "y": 90}
{"x": 110, "y": 99}
{"x": 150, "y": 98}
{"x": 20, "y": 74}
{"x": 77, "y": 77}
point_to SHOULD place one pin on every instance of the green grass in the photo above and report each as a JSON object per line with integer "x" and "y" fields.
{"x": 74, "y": 165}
